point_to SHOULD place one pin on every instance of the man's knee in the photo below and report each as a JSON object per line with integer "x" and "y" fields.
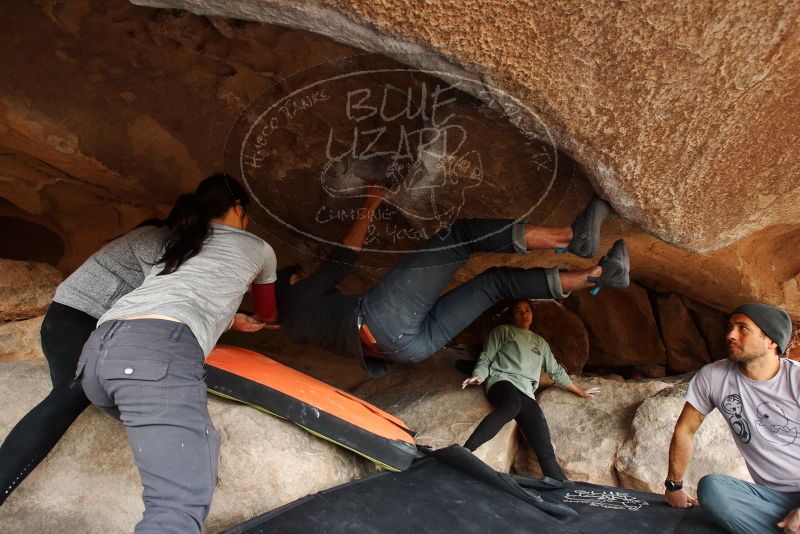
{"x": 710, "y": 485}
{"x": 713, "y": 492}
{"x": 722, "y": 498}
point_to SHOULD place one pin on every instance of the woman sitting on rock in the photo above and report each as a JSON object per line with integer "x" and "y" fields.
{"x": 510, "y": 365}
{"x": 144, "y": 363}
{"x": 111, "y": 272}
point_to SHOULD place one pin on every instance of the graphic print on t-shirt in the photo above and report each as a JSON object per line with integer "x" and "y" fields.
{"x": 735, "y": 408}
{"x": 774, "y": 426}
{"x": 763, "y": 416}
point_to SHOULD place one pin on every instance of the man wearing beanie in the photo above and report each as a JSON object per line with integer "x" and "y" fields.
{"x": 758, "y": 392}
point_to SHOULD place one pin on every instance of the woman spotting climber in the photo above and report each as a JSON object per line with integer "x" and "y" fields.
{"x": 111, "y": 272}
{"x": 144, "y": 363}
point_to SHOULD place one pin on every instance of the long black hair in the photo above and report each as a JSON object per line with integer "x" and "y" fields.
{"x": 214, "y": 196}
{"x": 177, "y": 215}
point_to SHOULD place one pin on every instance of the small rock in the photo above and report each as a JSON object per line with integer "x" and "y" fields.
{"x": 686, "y": 348}
{"x": 26, "y": 288}
{"x": 20, "y": 340}
{"x": 713, "y": 326}
{"x": 564, "y": 332}
{"x": 639, "y": 372}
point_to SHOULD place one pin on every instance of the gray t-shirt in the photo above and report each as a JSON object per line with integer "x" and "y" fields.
{"x": 764, "y": 417}
{"x": 113, "y": 271}
{"x": 206, "y": 290}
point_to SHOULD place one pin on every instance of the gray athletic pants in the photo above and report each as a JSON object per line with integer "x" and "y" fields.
{"x": 149, "y": 374}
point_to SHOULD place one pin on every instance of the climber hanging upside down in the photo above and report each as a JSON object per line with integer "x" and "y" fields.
{"x": 406, "y": 318}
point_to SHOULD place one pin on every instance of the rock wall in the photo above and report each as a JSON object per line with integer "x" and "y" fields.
{"x": 26, "y": 289}
{"x": 146, "y": 99}
{"x": 628, "y": 97}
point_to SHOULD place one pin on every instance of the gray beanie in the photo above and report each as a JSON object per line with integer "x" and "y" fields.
{"x": 774, "y": 322}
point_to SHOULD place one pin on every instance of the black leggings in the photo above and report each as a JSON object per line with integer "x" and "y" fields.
{"x": 64, "y": 332}
{"x": 510, "y": 403}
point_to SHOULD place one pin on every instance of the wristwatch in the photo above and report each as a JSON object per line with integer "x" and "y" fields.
{"x": 673, "y": 485}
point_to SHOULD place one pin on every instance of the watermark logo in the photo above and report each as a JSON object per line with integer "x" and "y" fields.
{"x": 314, "y": 146}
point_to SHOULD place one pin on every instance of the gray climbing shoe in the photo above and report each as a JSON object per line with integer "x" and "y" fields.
{"x": 586, "y": 229}
{"x": 616, "y": 268}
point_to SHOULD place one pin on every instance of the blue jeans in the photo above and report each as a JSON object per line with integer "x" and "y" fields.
{"x": 409, "y": 316}
{"x": 744, "y": 507}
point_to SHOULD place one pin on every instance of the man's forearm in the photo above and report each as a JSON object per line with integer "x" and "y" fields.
{"x": 680, "y": 454}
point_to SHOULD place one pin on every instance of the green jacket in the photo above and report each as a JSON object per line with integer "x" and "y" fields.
{"x": 518, "y": 355}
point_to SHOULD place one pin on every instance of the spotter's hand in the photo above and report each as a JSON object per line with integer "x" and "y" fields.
{"x": 247, "y": 323}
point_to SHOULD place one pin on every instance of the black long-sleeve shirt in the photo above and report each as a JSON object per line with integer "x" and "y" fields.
{"x": 314, "y": 311}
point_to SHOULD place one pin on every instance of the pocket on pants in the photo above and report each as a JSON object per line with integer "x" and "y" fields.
{"x": 135, "y": 385}
{"x": 79, "y": 368}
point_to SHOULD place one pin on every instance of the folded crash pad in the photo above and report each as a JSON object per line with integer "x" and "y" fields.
{"x": 320, "y": 408}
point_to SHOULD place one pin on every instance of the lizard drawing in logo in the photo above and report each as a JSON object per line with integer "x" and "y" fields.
{"x": 735, "y": 409}
{"x": 430, "y": 186}
{"x": 774, "y": 426}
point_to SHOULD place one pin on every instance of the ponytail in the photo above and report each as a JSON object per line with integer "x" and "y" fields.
{"x": 177, "y": 214}
{"x": 192, "y": 222}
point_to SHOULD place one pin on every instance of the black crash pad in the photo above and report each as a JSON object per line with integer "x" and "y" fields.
{"x": 450, "y": 490}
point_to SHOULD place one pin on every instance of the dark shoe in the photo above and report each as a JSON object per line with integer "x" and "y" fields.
{"x": 586, "y": 229}
{"x": 616, "y": 268}
{"x": 559, "y": 482}
{"x": 544, "y": 483}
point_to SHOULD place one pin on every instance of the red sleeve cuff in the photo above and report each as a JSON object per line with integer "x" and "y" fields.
{"x": 264, "y": 302}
